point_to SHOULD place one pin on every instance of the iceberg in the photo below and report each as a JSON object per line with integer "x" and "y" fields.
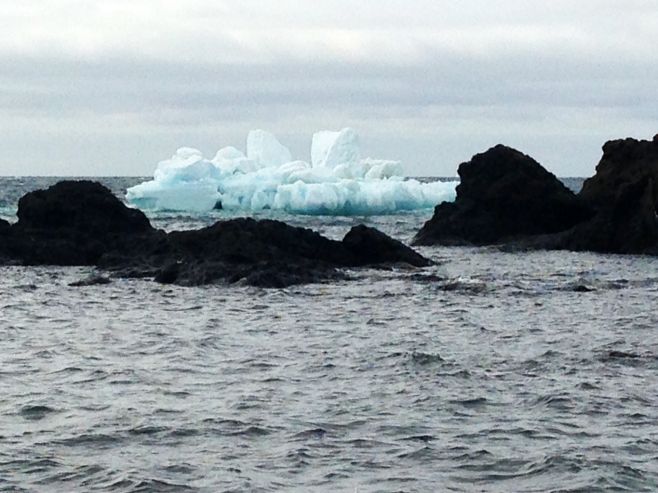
{"x": 331, "y": 149}
{"x": 336, "y": 182}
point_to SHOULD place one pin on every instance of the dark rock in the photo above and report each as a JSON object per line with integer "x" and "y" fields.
{"x": 616, "y": 354}
{"x": 169, "y": 274}
{"x": 79, "y": 205}
{"x": 626, "y": 225}
{"x": 624, "y": 192}
{"x": 247, "y": 241}
{"x": 503, "y": 194}
{"x": 279, "y": 275}
{"x": 91, "y": 280}
{"x": 76, "y": 223}
{"x": 582, "y": 288}
{"x": 270, "y": 253}
{"x": 83, "y": 223}
{"x": 624, "y": 162}
{"x": 371, "y": 246}
{"x": 5, "y": 228}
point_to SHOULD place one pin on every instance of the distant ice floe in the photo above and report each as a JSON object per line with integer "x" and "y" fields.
{"x": 337, "y": 182}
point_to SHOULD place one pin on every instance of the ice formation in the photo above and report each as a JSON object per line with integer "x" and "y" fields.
{"x": 337, "y": 182}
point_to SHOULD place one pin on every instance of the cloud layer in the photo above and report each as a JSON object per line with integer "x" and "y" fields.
{"x": 101, "y": 88}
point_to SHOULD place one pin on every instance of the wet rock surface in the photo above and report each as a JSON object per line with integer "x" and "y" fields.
{"x": 83, "y": 223}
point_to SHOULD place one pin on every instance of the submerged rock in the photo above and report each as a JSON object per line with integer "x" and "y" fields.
{"x": 83, "y": 223}
{"x": 503, "y": 194}
{"x": 91, "y": 280}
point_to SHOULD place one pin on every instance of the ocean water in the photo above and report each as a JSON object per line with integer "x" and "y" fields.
{"x": 490, "y": 372}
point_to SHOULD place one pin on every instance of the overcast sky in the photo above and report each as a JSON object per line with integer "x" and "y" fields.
{"x": 112, "y": 87}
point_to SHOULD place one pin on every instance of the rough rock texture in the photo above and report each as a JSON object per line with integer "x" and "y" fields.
{"x": 624, "y": 162}
{"x": 91, "y": 280}
{"x": 83, "y": 223}
{"x": 503, "y": 195}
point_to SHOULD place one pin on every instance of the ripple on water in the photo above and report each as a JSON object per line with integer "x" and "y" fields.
{"x": 492, "y": 372}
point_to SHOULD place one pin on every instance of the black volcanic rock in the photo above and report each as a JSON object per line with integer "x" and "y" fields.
{"x": 503, "y": 194}
{"x": 83, "y": 223}
{"x": 624, "y": 162}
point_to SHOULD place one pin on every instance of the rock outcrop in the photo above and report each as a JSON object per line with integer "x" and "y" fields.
{"x": 370, "y": 246}
{"x": 624, "y": 192}
{"x": 83, "y": 223}
{"x": 624, "y": 162}
{"x": 503, "y": 195}
{"x": 5, "y": 227}
{"x": 77, "y": 223}
{"x": 626, "y": 225}
{"x": 508, "y": 199}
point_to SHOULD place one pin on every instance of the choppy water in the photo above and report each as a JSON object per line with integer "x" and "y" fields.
{"x": 491, "y": 372}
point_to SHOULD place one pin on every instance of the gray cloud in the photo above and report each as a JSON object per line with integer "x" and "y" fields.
{"x": 429, "y": 83}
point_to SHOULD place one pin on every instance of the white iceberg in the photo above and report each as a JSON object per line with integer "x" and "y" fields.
{"x": 264, "y": 149}
{"x": 337, "y": 182}
{"x": 331, "y": 149}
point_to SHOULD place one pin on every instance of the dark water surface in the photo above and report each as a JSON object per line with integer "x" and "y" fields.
{"x": 495, "y": 372}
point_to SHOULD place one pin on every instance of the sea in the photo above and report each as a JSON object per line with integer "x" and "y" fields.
{"x": 489, "y": 372}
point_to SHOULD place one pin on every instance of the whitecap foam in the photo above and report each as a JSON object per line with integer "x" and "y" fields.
{"x": 337, "y": 182}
